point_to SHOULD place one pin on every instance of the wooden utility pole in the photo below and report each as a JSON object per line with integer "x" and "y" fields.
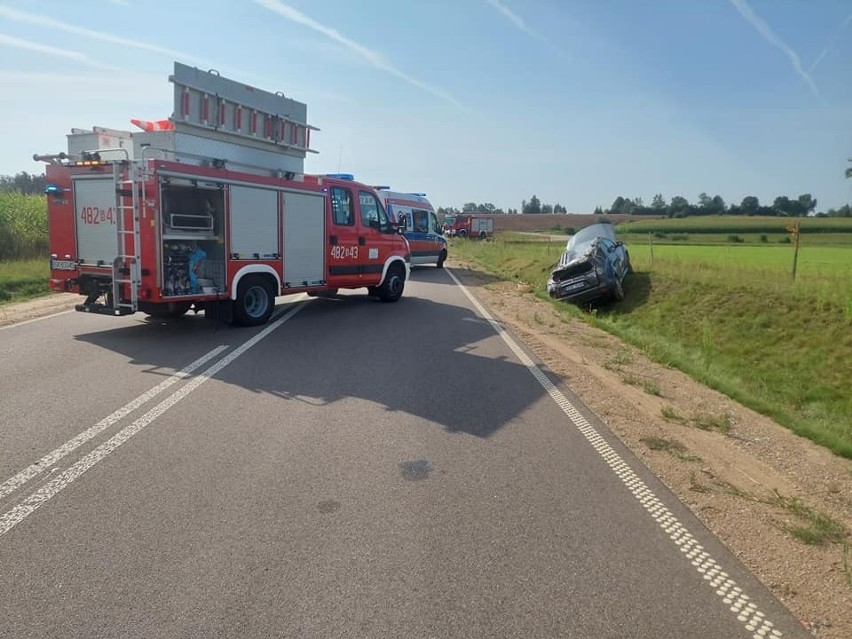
{"x": 793, "y": 229}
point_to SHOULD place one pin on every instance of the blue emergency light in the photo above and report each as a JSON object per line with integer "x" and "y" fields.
{"x": 341, "y": 176}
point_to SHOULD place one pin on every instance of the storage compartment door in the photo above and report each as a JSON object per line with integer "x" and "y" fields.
{"x": 304, "y": 239}
{"x": 254, "y": 223}
{"x": 95, "y": 220}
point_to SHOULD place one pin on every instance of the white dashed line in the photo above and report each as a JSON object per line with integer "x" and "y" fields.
{"x": 16, "y": 515}
{"x": 726, "y": 588}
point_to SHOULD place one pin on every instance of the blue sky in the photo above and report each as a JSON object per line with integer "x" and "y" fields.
{"x": 575, "y": 101}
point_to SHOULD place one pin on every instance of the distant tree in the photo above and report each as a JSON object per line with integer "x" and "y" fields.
{"x": 598, "y": 210}
{"x": 717, "y": 205}
{"x": 808, "y": 202}
{"x": 750, "y": 205}
{"x": 23, "y": 182}
{"x": 533, "y": 206}
{"x": 547, "y": 209}
{"x": 469, "y": 208}
{"x": 559, "y": 209}
{"x": 678, "y": 207}
{"x": 783, "y": 205}
{"x": 618, "y": 205}
{"x": 638, "y": 202}
{"x": 843, "y": 211}
{"x": 704, "y": 200}
{"x": 658, "y": 202}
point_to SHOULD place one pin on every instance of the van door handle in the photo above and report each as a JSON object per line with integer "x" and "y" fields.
{"x": 362, "y": 240}
{"x": 332, "y": 239}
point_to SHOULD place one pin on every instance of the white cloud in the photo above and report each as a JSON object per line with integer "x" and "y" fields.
{"x": 373, "y": 57}
{"x": 28, "y": 45}
{"x": 520, "y": 24}
{"x": 769, "y": 35}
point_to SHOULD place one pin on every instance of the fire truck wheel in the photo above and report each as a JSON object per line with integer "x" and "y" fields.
{"x": 462, "y": 233}
{"x": 391, "y": 288}
{"x": 441, "y": 258}
{"x": 255, "y": 301}
{"x": 482, "y": 235}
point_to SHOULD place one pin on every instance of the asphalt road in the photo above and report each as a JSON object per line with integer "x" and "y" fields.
{"x": 353, "y": 469}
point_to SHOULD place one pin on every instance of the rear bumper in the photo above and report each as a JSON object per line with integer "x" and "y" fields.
{"x": 102, "y": 309}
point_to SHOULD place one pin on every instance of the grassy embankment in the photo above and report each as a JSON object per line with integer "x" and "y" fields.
{"x": 24, "y": 268}
{"x": 730, "y": 316}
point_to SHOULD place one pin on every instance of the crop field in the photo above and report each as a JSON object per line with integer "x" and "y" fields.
{"x": 23, "y": 279}
{"x": 730, "y": 316}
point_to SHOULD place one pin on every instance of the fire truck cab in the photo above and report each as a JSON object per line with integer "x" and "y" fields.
{"x": 416, "y": 216}
{"x": 211, "y": 211}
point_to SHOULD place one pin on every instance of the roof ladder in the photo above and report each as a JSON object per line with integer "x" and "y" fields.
{"x": 125, "y": 267}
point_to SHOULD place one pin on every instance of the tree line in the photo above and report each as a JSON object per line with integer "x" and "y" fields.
{"x": 679, "y": 206}
{"x": 23, "y": 182}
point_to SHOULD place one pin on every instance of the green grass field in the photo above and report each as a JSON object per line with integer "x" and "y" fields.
{"x": 731, "y": 317}
{"x": 23, "y": 279}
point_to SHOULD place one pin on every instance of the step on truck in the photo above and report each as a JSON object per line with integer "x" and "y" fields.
{"x": 211, "y": 211}
{"x": 416, "y": 216}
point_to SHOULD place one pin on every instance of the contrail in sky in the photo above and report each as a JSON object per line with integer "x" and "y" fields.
{"x": 28, "y": 45}
{"x": 831, "y": 43}
{"x": 43, "y": 21}
{"x": 515, "y": 19}
{"x": 769, "y": 35}
{"x": 373, "y": 57}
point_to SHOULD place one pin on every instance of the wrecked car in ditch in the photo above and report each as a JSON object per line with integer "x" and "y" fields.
{"x": 592, "y": 267}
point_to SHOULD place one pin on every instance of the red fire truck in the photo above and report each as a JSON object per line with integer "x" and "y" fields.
{"x": 480, "y": 226}
{"x": 211, "y": 211}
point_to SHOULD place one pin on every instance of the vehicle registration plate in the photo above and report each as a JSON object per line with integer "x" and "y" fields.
{"x": 573, "y": 286}
{"x": 62, "y": 265}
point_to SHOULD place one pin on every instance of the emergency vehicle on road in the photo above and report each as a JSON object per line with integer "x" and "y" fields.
{"x": 211, "y": 211}
{"x": 414, "y": 213}
{"x": 480, "y": 226}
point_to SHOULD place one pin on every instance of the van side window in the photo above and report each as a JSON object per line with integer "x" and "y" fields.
{"x": 435, "y": 224}
{"x": 341, "y": 206}
{"x": 421, "y": 220}
{"x": 373, "y": 213}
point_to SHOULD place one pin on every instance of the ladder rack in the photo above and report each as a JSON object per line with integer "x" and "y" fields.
{"x": 126, "y": 265}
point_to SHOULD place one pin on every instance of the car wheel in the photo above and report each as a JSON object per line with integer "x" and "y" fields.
{"x": 255, "y": 301}
{"x": 441, "y": 258}
{"x": 391, "y": 289}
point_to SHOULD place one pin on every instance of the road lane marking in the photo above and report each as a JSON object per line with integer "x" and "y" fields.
{"x": 725, "y": 588}
{"x": 16, "y": 515}
{"x": 33, "y": 470}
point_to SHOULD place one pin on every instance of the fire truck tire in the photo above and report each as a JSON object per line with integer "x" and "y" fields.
{"x": 167, "y": 311}
{"x": 391, "y": 289}
{"x": 462, "y": 233}
{"x": 255, "y": 301}
{"x": 482, "y": 235}
{"x": 441, "y": 258}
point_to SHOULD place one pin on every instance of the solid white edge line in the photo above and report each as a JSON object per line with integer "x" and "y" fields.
{"x": 35, "y": 319}
{"x": 726, "y": 588}
{"x": 33, "y": 470}
{"x": 16, "y": 515}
